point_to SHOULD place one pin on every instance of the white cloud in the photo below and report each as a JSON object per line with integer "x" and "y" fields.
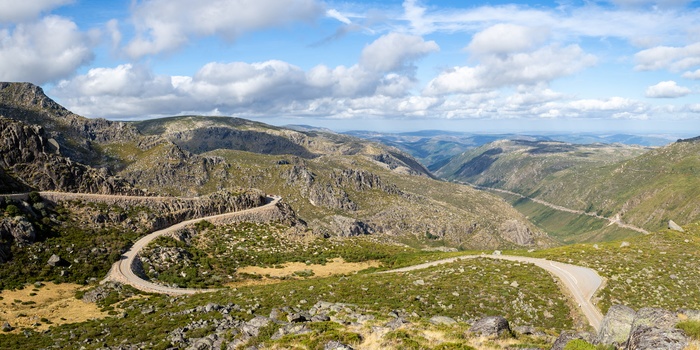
{"x": 496, "y": 71}
{"x": 261, "y": 87}
{"x": 667, "y": 89}
{"x": 17, "y": 11}
{"x": 502, "y": 39}
{"x": 668, "y": 57}
{"x": 394, "y": 51}
{"x": 659, "y": 3}
{"x": 333, "y": 13}
{"x": 692, "y": 75}
{"x": 43, "y": 51}
{"x": 165, "y": 25}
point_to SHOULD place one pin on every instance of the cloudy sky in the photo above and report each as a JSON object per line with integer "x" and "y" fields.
{"x": 618, "y": 65}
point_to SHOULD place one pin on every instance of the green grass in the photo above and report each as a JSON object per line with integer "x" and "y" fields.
{"x": 691, "y": 328}
{"x": 657, "y": 270}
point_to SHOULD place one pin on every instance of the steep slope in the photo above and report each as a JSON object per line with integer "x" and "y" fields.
{"x": 642, "y": 187}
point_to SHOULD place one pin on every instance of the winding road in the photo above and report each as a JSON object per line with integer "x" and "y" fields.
{"x": 581, "y": 282}
{"x": 123, "y": 270}
{"x": 615, "y": 220}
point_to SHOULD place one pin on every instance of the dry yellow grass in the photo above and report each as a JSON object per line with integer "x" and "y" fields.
{"x": 336, "y": 266}
{"x": 53, "y": 302}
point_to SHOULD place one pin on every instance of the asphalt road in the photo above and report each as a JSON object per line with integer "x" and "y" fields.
{"x": 581, "y": 282}
{"x": 123, "y": 272}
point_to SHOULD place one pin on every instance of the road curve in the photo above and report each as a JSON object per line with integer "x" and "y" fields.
{"x": 581, "y": 282}
{"x": 122, "y": 270}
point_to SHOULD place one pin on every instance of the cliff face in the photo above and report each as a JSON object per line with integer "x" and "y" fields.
{"x": 31, "y": 160}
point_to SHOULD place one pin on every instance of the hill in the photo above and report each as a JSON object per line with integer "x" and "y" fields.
{"x": 642, "y": 187}
{"x": 339, "y": 185}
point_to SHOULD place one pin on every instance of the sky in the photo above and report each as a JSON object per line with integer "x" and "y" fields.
{"x": 493, "y": 66}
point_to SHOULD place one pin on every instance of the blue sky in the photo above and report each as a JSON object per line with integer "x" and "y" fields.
{"x": 619, "y": 65}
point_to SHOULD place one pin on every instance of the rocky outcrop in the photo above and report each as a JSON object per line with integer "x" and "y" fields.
{"x": 347, "y": 227}
{"x": 26, "y": 152}
{"x": 616, "y": 326}
{"x": 18, "y": 229}
{"x": 152, "y": 213}
{"x": 517, "y": 232}
{"x": 491, "y": 326}
{"x": 361, "y": 180}
{"x": 655, "y": 338}
{"x": 648, "y": 328}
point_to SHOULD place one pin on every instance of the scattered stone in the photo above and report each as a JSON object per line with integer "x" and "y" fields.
{"x": 616, "y": 326}
{"x": 491, "y": 326}
{"x": 438, "y": 320}
{"x": 624, "y": 244}
{"x": 54, "y": 260}
{"x": 419, "y": 282}
{"x": 395, "y": 323}
{"x": 674, "y": 226}
{"x": 496, "y": 252}
{"x": 6, "y": 327}
{"x": 336, "y": 345}
{"x": 515, "y": 284}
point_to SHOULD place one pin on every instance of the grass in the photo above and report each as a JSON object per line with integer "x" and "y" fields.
{"x": 657, "y": 270}
{"x": 691, "y": 328}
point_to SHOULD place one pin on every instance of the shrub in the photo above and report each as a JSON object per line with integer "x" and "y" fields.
{"x": 579, "y": 344}
{"x": 691, "y": 328}
{"x": 12, "y": 210}
{"x": 34, "y": 197}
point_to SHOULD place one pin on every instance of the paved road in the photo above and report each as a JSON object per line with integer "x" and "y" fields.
{"x": 122, "y": 270}
{"x": 581, "y": 282}
{"x": 615, "y": 220}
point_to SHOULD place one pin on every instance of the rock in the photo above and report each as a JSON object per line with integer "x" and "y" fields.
{"x": 616, "y": 326}
{"x": 491, "y": 326}
{"x": 6, "y": 327}
{"x": 290, "y": 329}
{"x": 674, "y": 226}
{"x": 517, "y": 232}
{"x": 298, "y": 317}
{"x": 652, "y": 338}
{"x": 54, "y": 260}
{"x": 655, "y": 317}
{"x": 253, "y": 326}
{"x": 624, "y": 244}
{"x": 396, "y": 323}
{"x": 438, "y": 320}
{"x": 18, "y": 228}
{"x": 566, "y": 336}
{"x": 336, "y": 345}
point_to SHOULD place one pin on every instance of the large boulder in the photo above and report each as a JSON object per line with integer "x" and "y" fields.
{"x": 653, "y": 338}
{"x": 674, "y": 226}
{"x": 616, "y": 326}
{"x": 491, "y": 326}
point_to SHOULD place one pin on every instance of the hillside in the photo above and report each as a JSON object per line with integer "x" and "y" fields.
{"x": 339, "y": 185}
{"x": 641, "y": 187}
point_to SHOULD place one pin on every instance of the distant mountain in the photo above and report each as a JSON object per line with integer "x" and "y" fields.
{"x": 434, "y": 148}
{"x": 340, "y": 185}
{"x": 644, "y": 187}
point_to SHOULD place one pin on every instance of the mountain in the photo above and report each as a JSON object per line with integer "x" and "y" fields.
{"x": 340, "y": 185}
{"x": 435, "y": 148}
{"x": 640, "y": 186}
